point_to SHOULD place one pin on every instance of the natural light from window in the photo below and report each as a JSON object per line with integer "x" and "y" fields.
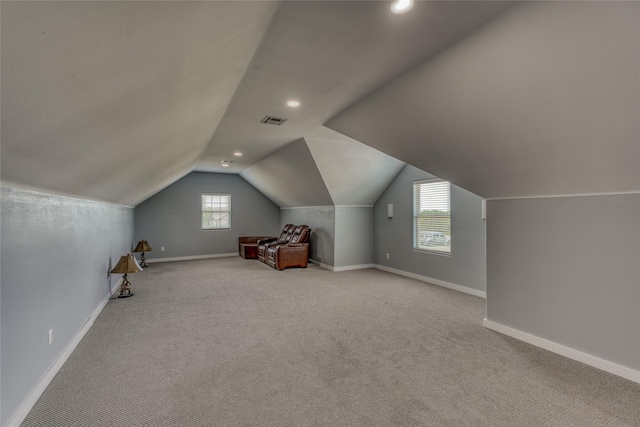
{"x": 432, "y": 216}
{"x": 216, "y": 211}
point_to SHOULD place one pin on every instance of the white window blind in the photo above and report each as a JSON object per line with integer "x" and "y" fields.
{"x": 432, "y": 216}
{"x": 216, "y": 211}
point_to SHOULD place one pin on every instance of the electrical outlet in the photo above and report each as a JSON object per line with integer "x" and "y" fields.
{"x": 50, "y": 336}
{"x": 387, "y": 255}
{"x": 162, "y": 249}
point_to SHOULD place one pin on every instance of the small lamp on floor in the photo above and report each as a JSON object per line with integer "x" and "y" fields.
{"x": 143, "y": 246}
{"x": 126, "y": 265}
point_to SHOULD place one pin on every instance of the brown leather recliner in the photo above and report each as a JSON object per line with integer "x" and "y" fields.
{"x": 265, "y": 243}
{"x": 293, "y": 253}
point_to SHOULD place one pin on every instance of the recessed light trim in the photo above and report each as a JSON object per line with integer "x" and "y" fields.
{"x": 293, "y": 103}
{"x": 401, "y": 6}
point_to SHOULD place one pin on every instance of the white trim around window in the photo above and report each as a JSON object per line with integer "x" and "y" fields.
{"x": 432, "y": 216}
{"x": 216, "y": 211}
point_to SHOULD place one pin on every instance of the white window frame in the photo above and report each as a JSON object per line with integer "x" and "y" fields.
{"x": 221, "y": 206}
{"x": 430, "y": 233}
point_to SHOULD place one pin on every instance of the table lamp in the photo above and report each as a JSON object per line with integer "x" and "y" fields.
{"x": 127, "y": 264}
{"x": 143, "y": 246}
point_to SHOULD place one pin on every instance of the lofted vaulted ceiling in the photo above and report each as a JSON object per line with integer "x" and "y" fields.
{"x": 329, "y": 55}
{"x": 545, "y": 101}
{"x": 116, "y": 100}
{"x": 354, "y": 173}
{"x": 337, "y": 170}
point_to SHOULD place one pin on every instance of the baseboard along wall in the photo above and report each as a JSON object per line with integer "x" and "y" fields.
{"x": 21, "y": 413}
{"x": 431, "y": 280}
{"x": 343, "y": 268}
{"x": 426, "y": 279}
{"x": 596, "y": 362}
{"x": 587, "y": 359}
{"x": 192, "y": 257}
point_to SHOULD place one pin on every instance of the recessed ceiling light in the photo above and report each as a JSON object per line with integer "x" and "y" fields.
{"x": 225, "y": 165}
{"x": 401, "y": 6}
{"x": 293, "y": 103}
{"x": 237, "y": 154}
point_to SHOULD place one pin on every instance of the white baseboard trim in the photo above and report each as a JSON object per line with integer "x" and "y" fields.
{"x": 23, "y": 410}
{"x": 344, "y": 268}
{"x": 113, "y": 292}
{"x": 189, "y": 258}
{"x": 588, "y": 359}
{"x": 459, "y": 288}
{"x": 353, "y": 267}
{"x": 321, "y": 265}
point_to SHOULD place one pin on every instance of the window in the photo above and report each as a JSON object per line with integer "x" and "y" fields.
{"x": 432, "y": 216}
{"x": 216, "y": 211}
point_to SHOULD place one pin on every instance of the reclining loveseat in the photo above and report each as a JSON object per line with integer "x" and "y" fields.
{"x": 291, "y": 249}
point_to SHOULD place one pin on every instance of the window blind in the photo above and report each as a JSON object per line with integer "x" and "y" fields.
{"x": 432, "y": 216}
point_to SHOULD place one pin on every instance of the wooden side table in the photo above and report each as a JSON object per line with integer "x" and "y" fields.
{"x": 248, "y": 246}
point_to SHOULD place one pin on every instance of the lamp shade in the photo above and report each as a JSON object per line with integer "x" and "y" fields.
{"x": 143, "y": 246}
{"x": 127, "y": 264}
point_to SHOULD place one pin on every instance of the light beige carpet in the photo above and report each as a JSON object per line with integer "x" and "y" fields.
{"x": 232, "y": 342}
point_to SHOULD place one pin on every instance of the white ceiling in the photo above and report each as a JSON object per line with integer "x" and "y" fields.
{"x": 329, "y": 55}
{"x": 544, "y": 101}
{"x": 289, "y": 177}
{"x": 323, "y": 168}
{"x": 354, "y": 173}
{"x": 116, "y": 100}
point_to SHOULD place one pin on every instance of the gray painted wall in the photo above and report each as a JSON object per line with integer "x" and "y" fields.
{"x": 172, "y": 217}
{"x": 354, "y": 236}
{"x": 467, "y": 264}
{"x": 56, "y": 255}
{"x": 321, "y": 219}
{"x": 567, "y": 269}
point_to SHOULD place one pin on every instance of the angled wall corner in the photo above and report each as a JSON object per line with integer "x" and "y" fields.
{"x": 354, "y": 173}
{"x": 289, "y": 177}
{"x": 329, "y": 182}
{"x": 321, "y": 219}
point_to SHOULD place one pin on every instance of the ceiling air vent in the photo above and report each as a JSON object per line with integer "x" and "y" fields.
{"x": 270, "y": 120}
